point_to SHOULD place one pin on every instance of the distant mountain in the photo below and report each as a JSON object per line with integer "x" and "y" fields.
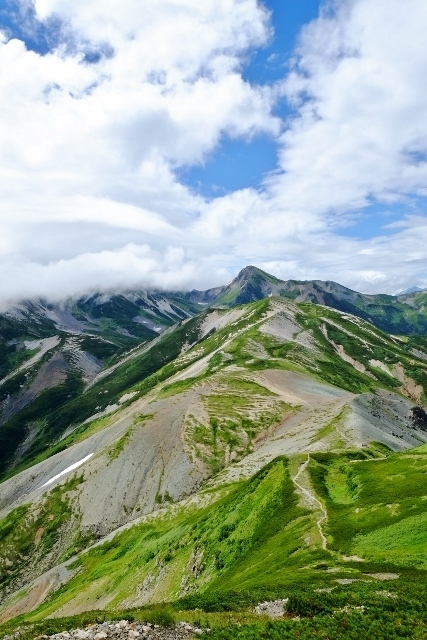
{"x": 250, "y": 285}
{"x": 122, "y": 320}
{"x": 405, "y": 314}
{"x": 411, "y": 290}
{"x": 50, "y": 352}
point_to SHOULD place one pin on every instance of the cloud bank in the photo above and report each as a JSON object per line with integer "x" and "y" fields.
{"x": 94, "y": 132}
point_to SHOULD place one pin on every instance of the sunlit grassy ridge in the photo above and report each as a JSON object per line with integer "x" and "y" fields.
{"x": 377, "y": 509}
{"x": 249, "y": 541}
{"x": 196, "y": 548}
{"x": 254, "y": 535}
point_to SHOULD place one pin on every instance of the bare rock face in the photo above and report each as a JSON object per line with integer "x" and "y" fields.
{"x": 272, "y": 609}
{"x": 419, "y": 418}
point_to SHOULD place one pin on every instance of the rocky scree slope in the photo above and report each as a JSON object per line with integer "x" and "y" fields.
{"x": 211, "y": 404}
{"x": 50, "y": 353}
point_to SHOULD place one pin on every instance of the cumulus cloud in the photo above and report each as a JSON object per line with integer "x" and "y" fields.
{"x": 93, "y": 132}
{"x": 362, "y": 121}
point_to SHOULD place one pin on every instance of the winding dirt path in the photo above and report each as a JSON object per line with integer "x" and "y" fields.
{"x": 312, "y": 498}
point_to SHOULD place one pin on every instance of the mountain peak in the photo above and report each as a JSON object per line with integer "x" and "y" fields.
{"x": 410, "y": 290}
{"x": 249, "y": 272}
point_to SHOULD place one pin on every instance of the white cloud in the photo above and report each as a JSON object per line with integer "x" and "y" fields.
{"x": 89, "y": 152}
{"x": 97, "y": 144}
{"x": 365, "y": 110}
{"x": 130, "y": 266}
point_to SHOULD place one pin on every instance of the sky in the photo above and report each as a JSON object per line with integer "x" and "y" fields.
{"x": 170, "y": 143}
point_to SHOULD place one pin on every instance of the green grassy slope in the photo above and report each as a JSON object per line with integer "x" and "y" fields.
{"x": 248, "y": 543}
{"x": 240, "y": 543}
{"x": 377, "y": 509}
{"x": 211, "y": 548}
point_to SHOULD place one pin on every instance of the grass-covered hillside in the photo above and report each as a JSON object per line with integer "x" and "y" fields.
{"x": 270, "y": 451}
{"x": 214, "y": 558}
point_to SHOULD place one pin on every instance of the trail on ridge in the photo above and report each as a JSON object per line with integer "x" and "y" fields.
{"x": 312, "y": 498}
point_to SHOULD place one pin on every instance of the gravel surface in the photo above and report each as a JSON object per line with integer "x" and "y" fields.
{"x": 124, "y": 630}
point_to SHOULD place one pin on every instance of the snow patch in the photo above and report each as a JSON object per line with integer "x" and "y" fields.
{"x": 67, "y": 470}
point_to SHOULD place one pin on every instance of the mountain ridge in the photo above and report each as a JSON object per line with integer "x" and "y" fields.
{"x": 405, "y": 314}
{"x": 50, "y": 353}
{"x": 153, "y": 310}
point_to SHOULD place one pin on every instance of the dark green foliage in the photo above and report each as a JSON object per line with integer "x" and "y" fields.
{"x": 13, "y": 385}
{"x": 343, "y": 375}
{"x": 47, "y": 404}
{"x": 224, "y": 600}
{"x": 100, "y": 348}
{"x": 351, "y": 626}
{"x": 116, "y": 315}
{"x": 362, "y": 610}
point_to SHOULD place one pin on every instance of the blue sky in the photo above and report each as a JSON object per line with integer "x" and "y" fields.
{"x": 20, "y": 21}
{"x": 173, "y": 146}
{"x": 238, "y": 164}
{"x": 245, "y": 163}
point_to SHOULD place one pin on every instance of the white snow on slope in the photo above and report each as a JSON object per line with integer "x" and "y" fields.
{"x": 67, "y": 470}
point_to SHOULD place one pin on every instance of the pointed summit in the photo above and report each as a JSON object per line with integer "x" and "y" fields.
{"x": 411, "y": 290}
{"x": 249, "y": 285}
{"x": 251, "y": 273}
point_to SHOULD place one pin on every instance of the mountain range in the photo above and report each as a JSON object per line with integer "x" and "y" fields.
{"x": 50, "y": 353}
{"x": 265, "y": 439}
